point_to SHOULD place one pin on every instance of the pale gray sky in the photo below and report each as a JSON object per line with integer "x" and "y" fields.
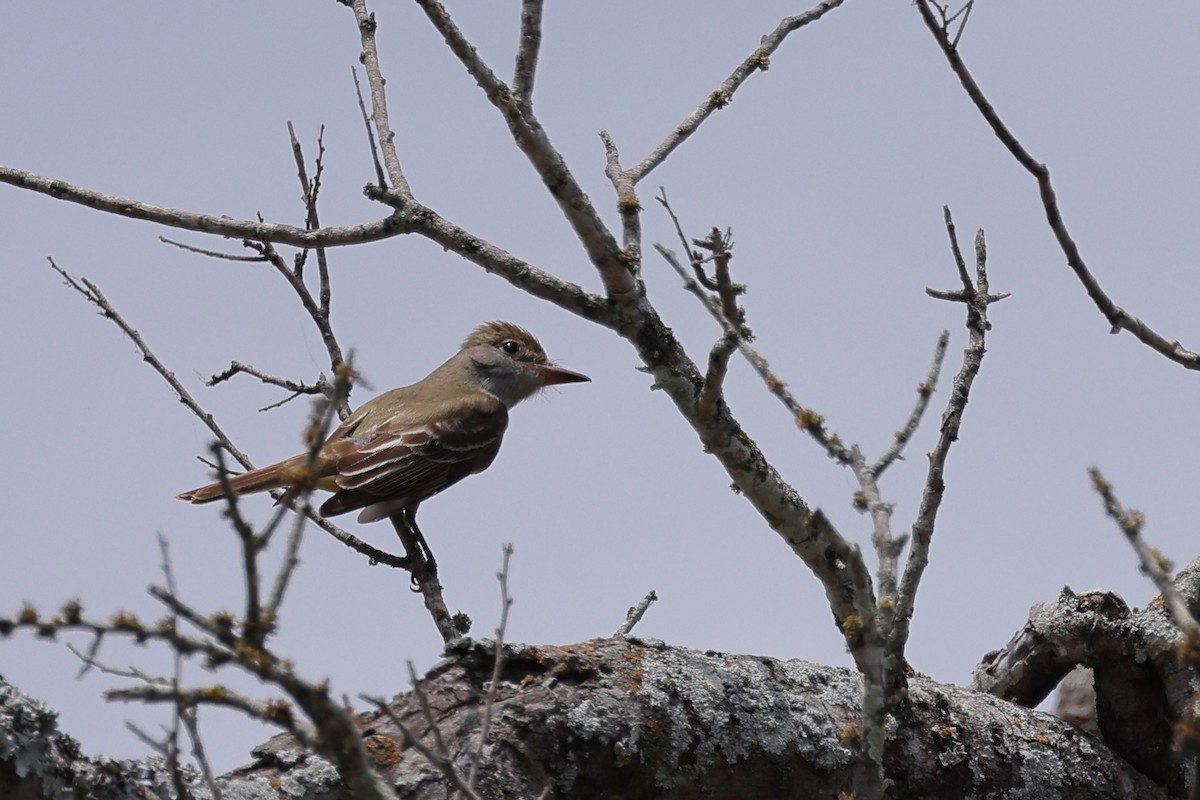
{"x": 831, "y": 168}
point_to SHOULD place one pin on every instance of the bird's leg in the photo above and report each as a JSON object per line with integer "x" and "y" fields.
{"x": 410, "y": 516}
{"x": 416, "y": 549}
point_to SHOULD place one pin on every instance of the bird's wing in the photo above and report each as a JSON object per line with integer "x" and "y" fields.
{"x": 403, "y": 460}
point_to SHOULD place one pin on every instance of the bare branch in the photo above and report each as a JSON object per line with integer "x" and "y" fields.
{"x": 977, "y": 300}
{"x": 760, "y": 59}
{"x": 610, "y": 261}
{"x": 380, "y": 177}
{"x": 275, "y": 712}
{"x": 527, "y": 52}
{"x": 1117, "y": 317}
{"x": 237, "y": 367}
{"x": 202, "y": 251}
{"x": 410, "y": 217}
{"x": 887, "y": 547}
{"x": 379, "y": 108}
{"x": 418, "y": 562}
{"x": 93, "y": 294}
{"x": 438, "y": 757}
{"x": 312, "y": 220}
{"x": 808, "y": 420}
{"x": 497, "y": 665}
{"x": 1154, "y": 564}
{"x": 924, "y": 392}
{"x": 385, "y": 228}
{"x": 318, "y": 313}
{"x": 291, "y": 560}
{"x": 714, "y": 378}
{"x": 628, "y": 205}
{"x": 634, "y": 615}
{"x": 189, "y": 717}
{"x": 519, "y": 273}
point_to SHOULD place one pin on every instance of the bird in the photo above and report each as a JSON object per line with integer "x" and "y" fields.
{"x": 406, "y": 445}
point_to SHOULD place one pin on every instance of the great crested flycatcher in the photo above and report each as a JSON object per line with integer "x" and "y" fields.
{"x": 406, "y": 445}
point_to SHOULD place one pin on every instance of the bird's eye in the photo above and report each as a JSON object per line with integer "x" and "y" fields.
{"x": 511, "y": 347}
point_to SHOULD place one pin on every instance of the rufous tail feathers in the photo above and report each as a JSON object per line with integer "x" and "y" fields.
{"x": 258, "y": 480}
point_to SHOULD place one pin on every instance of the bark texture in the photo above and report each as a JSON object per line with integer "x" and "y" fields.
{"x": 631, "y": 719}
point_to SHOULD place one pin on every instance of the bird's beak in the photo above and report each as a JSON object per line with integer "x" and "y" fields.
{"x": 552, "y": 375}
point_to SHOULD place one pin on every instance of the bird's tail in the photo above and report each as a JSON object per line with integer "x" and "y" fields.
{"x": 256, "y": 480}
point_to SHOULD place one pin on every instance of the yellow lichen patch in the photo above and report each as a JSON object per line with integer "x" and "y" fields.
{"x": 216, "y": 694}
{"x": 629, "y": 204}
{"x": 635, "y": 682}
{"x": 850, "y": 737}
{"x": 383, "y": 751}
{"x": 72, "y": 612}
{"x": 808, "y": 418}
{"x": 947, "y": 732}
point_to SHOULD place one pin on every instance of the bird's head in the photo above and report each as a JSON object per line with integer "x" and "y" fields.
{"x": 510, "y": 364}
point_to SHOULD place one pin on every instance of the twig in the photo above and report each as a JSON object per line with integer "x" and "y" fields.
{"x": 977, "y": 300}
{"x": 339, "y": 740}
{"x": 379, "y": 108}
{"x": 948, "y": 18}
{"x": 497, "y": 665}
{"x": 380, "y": 176}
{"x": 202, "y": 251}
{"x": 634, "y": 615}
{"x": 628, "y": 205}
{"x": 527, "y": 52}
{"x": 521, "y": 274}
{"x": 760, "y": 59}
{"x": 312, "y": 220}
{"x": 291, "y": 560}
{"x": 318, "y": 314}
{"x": 409, "y": 217}
{"x": 191, "y": 725}
{"x": 275, "y": 712}
{"x": 237, "y": 367}
{"x": 251, "y": 621}
{"x": 1154, "y": 564}
{"x": 924, "y": 392}
{"x": 887, "y": 547}
{"x": 93, "y": 294}
{"x": 439, "y": 754}
{"x": 172, "y": 742}
{"x": 610, "y": 261}
{"x": 418, "y": 561}
{"x": 808, "y": 420}
{"x": 214, "y": 224}
{"x": 1117, "y": 317}
{"x": 714, "y": 378}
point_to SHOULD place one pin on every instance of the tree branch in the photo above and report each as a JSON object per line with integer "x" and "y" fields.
{"x": 1117, "y": 317}
{"x": 530, "y": 137}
